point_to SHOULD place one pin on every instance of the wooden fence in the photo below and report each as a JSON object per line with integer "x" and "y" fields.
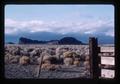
{"x": 96, "y": 55}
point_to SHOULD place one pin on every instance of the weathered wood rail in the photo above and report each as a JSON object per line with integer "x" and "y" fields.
{"x": 95, "y": 58}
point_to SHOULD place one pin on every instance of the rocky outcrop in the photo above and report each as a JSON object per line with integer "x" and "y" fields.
{"x": 63, "y": 41}
{"x": 24, "y": 40}
{"x": 69, "y": 40}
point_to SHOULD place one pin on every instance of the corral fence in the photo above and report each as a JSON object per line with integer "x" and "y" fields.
{"x": 98, "y": 57}
{"x": 98, "y": 60}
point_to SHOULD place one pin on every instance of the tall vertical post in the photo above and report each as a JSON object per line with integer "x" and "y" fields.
{"x": 39, "y": 67}
{"x": 94, "y": 59}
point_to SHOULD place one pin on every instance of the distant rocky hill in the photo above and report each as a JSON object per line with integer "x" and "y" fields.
{"x": 9, "y": 43}
{"x": 69, "y": 40}
{"x": 65, "y": 40}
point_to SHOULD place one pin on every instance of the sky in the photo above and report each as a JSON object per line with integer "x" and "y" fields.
{"x": 61, "y": 19}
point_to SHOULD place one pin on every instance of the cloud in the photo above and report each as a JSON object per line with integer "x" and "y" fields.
{"x": 95, "y": 26}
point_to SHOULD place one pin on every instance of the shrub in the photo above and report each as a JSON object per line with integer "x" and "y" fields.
{"x": 30, "y": 49}
{"x": 46, "y": 57}
{"x": 16, "y": 51}
{"x": 35, "y": 52}
{"x": 50, "y": 67}
{"x": 50, "y": 59}
{"x": 54, "y": 60}
{"x": 76, "y": 63}
{"x": 45, "y": 66}
{"x": 75, "y": 55}
{"x": 71, "y": 54}
{"x": 15, "y": 59}
{"x": 24, "y": 60}
{"x": 87, "y": 65}
{"x": 47, "y": 62}
{"x": 24, "y": 53}
{"x": 53, "y": 67}
{"x": 50, "y": 51}
{"x": 58, "y": 50}
{"x": 82, "y": 57}
{"x": 39, "y": 60}
{"x": 87, "y": 58}
{"x": 11, "y": 59}
{"x": 68, "y": 61}
{"x": 68, "y": 54}
{"x": 44, "y": 53}
{"x": 76, "y": 59}
{"x": 33, "y": 60}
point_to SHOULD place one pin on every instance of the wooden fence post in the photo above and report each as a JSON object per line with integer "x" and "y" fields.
{"x": 94, "y": 58}
{"x": 39, "y": 67}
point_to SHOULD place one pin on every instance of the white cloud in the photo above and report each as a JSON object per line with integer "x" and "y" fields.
{"x": 110, "y": 33}
{"x": 84, "y": 27}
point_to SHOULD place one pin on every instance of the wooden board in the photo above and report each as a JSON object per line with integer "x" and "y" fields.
{"x": 107, "y": 49}
{"x": 108, "y": 60}
{"x": 105, "y": 73}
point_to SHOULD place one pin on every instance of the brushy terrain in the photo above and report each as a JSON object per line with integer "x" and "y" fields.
{"x": 59, "y": 61}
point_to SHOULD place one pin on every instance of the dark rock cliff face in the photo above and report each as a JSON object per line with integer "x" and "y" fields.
{"x": 65, "y": 40}
{"x": 69, "y": 40}
{"x": 24, "y": 40}
{"x": 10, "y": 43}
